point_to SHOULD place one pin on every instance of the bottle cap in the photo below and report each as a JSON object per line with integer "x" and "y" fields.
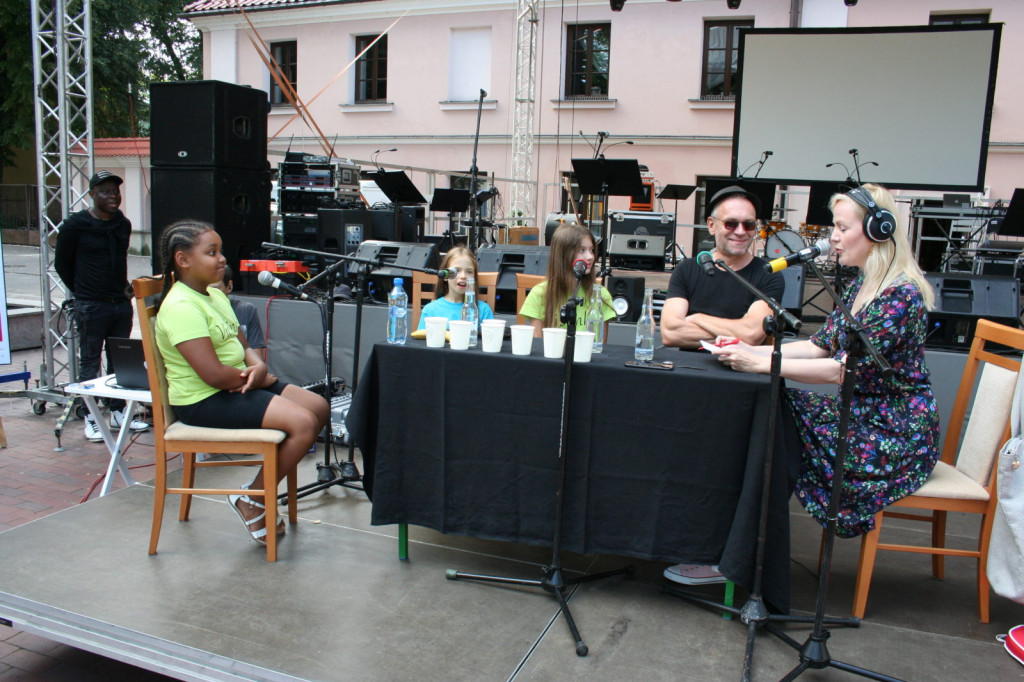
{"x": 398, "y": 281}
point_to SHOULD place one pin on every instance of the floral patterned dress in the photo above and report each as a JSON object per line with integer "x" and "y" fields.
{"x": 894, "y": 422}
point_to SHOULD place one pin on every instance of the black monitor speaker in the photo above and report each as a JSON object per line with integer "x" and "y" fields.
{"x": 627, "y": 296}
{"x": 393, "y": 254}
{"x": 507, "y": 260}
{"x": 961, "y": 299}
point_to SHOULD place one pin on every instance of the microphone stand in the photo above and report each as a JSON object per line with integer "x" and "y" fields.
{"x": 552, "y": 580}
{"x": 814, "y": 651}
{"x": 474, "y": 211}
{"x": 329, "y": 473}
{"x": 754, "y": 613}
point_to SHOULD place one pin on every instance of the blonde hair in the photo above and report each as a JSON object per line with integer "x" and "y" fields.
{"x": 892, "y": 259}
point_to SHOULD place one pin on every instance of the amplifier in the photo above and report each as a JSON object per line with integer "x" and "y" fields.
{"x": 962, "y": 299}
{"x": 639, "y": 252}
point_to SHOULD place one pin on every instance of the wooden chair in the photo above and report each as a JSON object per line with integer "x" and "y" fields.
{"x": 423, "y": 289}
{"x": 964, "y": 479}
{"x": 524, "y": 283}
{"x": 173, "y": 436}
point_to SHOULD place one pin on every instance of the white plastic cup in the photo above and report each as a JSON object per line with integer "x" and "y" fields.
{"x": 554, "y": 341}
{"x": 522, "y": 339}
{"x": 492, "y": 333}
{"x": 459, "y": 334}
{"x": 584, "y": 347}
{"x": 436, "y": 327}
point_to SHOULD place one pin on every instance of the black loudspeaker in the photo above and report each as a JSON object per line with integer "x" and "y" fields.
{"x": 393, "y": 254}
{"x": 627, "y": 296}
{"x": 236, "y": 202}
{"x": 208, "y": 123}
{"x": 342, "y": 230}
{"x": 961, "y": 299}
{"x": 793, "y": 294}
{"x": 507, "y": 260}
{"x": 639, "y": 252}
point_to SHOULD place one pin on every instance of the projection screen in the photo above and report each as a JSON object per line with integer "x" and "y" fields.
{"x": 915, "y": 100}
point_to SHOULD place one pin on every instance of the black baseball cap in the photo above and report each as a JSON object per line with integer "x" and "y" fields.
{"x": 104, "y": 176}
{"x": 733, "y": 191}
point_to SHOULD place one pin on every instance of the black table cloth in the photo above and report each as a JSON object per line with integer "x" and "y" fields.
{"x": 662, "y": 465}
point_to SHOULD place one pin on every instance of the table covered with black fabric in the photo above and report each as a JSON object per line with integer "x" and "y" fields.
{"x": 661, "y": 465}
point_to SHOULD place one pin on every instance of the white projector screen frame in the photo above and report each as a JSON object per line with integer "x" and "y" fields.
{"x": 915, "y": 100}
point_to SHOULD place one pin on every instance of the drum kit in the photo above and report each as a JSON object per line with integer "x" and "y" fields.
{"x": 780, "y": 240}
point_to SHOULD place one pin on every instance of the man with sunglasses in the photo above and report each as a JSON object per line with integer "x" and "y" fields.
{"x": 701, "y": 306}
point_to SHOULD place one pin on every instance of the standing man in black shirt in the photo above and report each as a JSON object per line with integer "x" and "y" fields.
{"x": 91, "y": 259}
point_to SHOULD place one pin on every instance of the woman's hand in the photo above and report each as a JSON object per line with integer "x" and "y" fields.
{"x": 743, "y": 358}
{"x": 253, "y": 376}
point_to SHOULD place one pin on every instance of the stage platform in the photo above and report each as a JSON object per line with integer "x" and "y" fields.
{"x": 340, "y": 605}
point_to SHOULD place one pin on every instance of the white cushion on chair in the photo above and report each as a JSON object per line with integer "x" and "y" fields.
{"x": 947, "y": 482}
{"x": 985, "y": 427}
{"x": 180, "y": 431}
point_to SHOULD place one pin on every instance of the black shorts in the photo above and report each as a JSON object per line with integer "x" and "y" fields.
{"x": 227, "y": 410}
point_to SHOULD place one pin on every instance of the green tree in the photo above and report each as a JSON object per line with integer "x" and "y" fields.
{"x": 133, "y": 44}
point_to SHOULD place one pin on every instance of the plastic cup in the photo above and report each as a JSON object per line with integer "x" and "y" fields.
{"x": 459, "y": 333}
{"x": 554, "y": 341}
{"x": 492, "y": 333}
{"x": 584, "y": 347}
{"x": 522, "y": 339}
{"x": 436, "y": 327}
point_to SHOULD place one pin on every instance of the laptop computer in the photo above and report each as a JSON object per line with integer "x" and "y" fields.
{"x": 129, "y": 362}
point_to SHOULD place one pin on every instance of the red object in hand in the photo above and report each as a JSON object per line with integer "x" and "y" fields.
{"x": 726, "y": 343}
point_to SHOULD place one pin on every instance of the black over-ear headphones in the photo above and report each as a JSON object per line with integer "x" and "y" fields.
{"x": 879, "y": 223}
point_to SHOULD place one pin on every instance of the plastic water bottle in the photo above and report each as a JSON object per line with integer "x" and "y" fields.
{"x": 595, "y": 318}
{"x": 398, "y": 313}
{"x": 471, "y": 312}
{"x": 644, "y": 349}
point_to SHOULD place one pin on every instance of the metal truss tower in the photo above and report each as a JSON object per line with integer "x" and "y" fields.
{"x": 61, "y": 56}
{"x": 523, "y": 204}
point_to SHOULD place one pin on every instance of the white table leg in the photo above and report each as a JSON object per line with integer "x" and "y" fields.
{"x": 117, "y": 446}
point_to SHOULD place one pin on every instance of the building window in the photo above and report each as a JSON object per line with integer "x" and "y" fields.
{"x": 958, "y": 19}
{"x": 469, "y": 68}
{"x": 286, "y": 57}
{"x": 720, "y": 79}
{"x": 372, "y": 70}
{"x": 588, "y": 53}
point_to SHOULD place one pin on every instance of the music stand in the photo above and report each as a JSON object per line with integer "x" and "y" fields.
{"x": 676, "y": 192}
{"x": 607, "y": 177}
{"x": 397, "y": 187}
{"x": 1013, "y": 221}
{"x": 449, "y": 201}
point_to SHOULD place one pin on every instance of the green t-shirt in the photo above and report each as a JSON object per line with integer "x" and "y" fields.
{"x": 533, "y": 306}
{"x": 185, "y": 314}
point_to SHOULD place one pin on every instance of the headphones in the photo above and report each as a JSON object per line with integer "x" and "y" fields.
{"x": 879, "y": 223}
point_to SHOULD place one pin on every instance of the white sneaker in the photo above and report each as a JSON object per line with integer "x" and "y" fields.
{"x": 694, "y": 574}
{"x": 92, "y": 430}
{"x": 117, "y": 418}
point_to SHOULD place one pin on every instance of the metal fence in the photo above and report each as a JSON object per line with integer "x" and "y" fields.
{"x": 19, "y": 207}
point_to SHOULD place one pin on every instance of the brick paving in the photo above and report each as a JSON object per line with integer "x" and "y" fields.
{"x": 36, "y": 480}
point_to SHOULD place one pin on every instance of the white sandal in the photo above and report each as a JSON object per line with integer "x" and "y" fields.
{"x": 280, "y": 519}
{"x": 259, "y": 535}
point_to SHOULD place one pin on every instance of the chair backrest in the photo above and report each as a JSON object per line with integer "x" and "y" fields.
{"x": 487, "y": 287}
{"x": 146, "y": 288}
{"x": 423, "y": 287}
{"x": 524, "y": 283}
{"x": 988, "y": 426}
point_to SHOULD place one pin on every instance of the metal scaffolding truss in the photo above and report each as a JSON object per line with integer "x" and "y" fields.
{"x": 523, "y": 204}
{"x": 61, "y": 56}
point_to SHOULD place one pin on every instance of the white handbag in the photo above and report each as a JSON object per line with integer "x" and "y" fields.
{"x": 1006, "y": 548}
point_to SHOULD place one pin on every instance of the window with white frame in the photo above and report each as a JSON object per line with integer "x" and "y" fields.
{"x": 587, "y": 60}
{"x": 371, "y": 69}
{"x": 719, "y": 76}
{"x": 469, "y": 68}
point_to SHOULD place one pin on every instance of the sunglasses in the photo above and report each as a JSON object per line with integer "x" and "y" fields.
{"x": 748, "y": 225}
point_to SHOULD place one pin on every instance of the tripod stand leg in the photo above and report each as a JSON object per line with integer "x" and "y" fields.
{"x": 563, "y": 605}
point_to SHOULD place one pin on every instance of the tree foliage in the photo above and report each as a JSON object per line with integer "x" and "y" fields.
{"x": 133, "y": 44}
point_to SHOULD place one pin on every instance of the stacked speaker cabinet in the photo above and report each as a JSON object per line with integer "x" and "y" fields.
{"x": 508, "y": 260}
{"x": 208, "y": 145}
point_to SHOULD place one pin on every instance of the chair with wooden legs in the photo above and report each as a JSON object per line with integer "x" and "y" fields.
{"x": 964, "y": 479}
{"x": 172, "y": 436}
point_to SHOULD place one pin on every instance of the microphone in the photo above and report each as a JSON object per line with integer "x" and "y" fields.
{"x": 768, "y": 152}
{"x": 822, "y": 246}
{"x": 579, "y": 268}
{"x": 445, "y": 274}
{"x": 707, "y": 261}
{"x": 267, "y": 279}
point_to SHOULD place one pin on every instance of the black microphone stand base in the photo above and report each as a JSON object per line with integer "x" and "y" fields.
{"x": 552, "y": 582}
{"x": 814, "y": 656}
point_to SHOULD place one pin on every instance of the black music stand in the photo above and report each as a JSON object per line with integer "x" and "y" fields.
{"x": 676, "y": 192}
{"x": 449, "y": 201}
{"x": 397, "y": 187}
{"x": 607, "y": 177}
